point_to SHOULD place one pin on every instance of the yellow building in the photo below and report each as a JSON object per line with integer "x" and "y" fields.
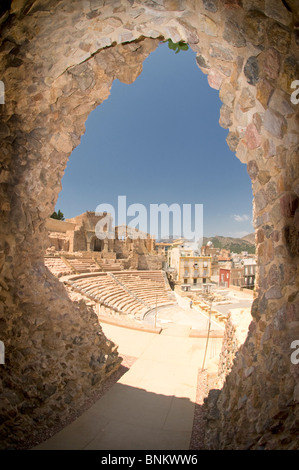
{"x": 190, "y": 267}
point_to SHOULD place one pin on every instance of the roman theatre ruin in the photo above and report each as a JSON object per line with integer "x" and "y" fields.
{"x": 58, "y": 62}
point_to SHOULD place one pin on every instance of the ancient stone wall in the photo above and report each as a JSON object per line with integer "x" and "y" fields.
{"x": 236, "y": 330}
{"x": 58, "y": 60}
{"x": 151, "y": 262}
{"x": 56, "y": 353}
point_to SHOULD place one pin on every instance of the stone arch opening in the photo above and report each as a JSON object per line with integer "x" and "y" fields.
{"x": 96, "y": 244}
{"x": 64, "y": 59}
{"x": 134, "y": 126}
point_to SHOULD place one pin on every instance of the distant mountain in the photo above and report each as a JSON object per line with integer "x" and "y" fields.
{"x": 235, "y": 245}
{"x": 170, "y": 239}
{"x": 250, "y": 238}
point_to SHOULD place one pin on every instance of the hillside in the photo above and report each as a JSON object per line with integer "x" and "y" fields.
{"x": 250, "y": 238}
{"x": 235, "y": 245}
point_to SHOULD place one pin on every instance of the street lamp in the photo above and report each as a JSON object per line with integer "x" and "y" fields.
{"x": 211, "y": 298}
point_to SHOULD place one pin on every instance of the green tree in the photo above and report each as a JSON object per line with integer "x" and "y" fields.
{"x": 177, "y": 46}
{"x": 57, "y": 215}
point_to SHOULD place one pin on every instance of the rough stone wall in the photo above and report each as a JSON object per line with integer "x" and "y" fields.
{"x": 236, "y": 330}
{"x": 151, "y": 262}
{"x": 59, "y": 241}
{"x": 79, "y": 240}
{"x": 55, "y": 351}
{"x": 58, "y": 60}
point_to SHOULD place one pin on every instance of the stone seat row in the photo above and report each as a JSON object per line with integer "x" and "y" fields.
{"x": 136, "y": 298}
{"x": 108, "y": 293}
{"x": 109, "y": 265}
{"x": 83, "y": 265}
{"x": 60, "y": 266}
{"x": 57, "y": 266}
{"x": 144, "y": 287}
{"x": 146, "y": 294}
{"x": 156, "y": 277}
{"x": 138, "y": 282}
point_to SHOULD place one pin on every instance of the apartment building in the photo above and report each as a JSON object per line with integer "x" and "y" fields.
{"x": 190, "y": 267}
{"x": 242, "y": 275}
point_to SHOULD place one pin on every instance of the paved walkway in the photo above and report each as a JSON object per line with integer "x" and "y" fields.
{"x": 151, "y": 407}
{"x": 181, "y": 314}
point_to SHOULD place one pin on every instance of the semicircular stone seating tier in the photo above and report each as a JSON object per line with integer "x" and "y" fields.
{"x": 58, "y": 60}
{"x": 131, "y": 292}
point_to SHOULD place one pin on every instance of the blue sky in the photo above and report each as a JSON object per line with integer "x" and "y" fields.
{"x": 158, "y": 141}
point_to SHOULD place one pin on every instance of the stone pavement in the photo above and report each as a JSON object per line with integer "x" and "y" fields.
{"x": 151, "y": 407}
{"x": 182, "y": 315}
